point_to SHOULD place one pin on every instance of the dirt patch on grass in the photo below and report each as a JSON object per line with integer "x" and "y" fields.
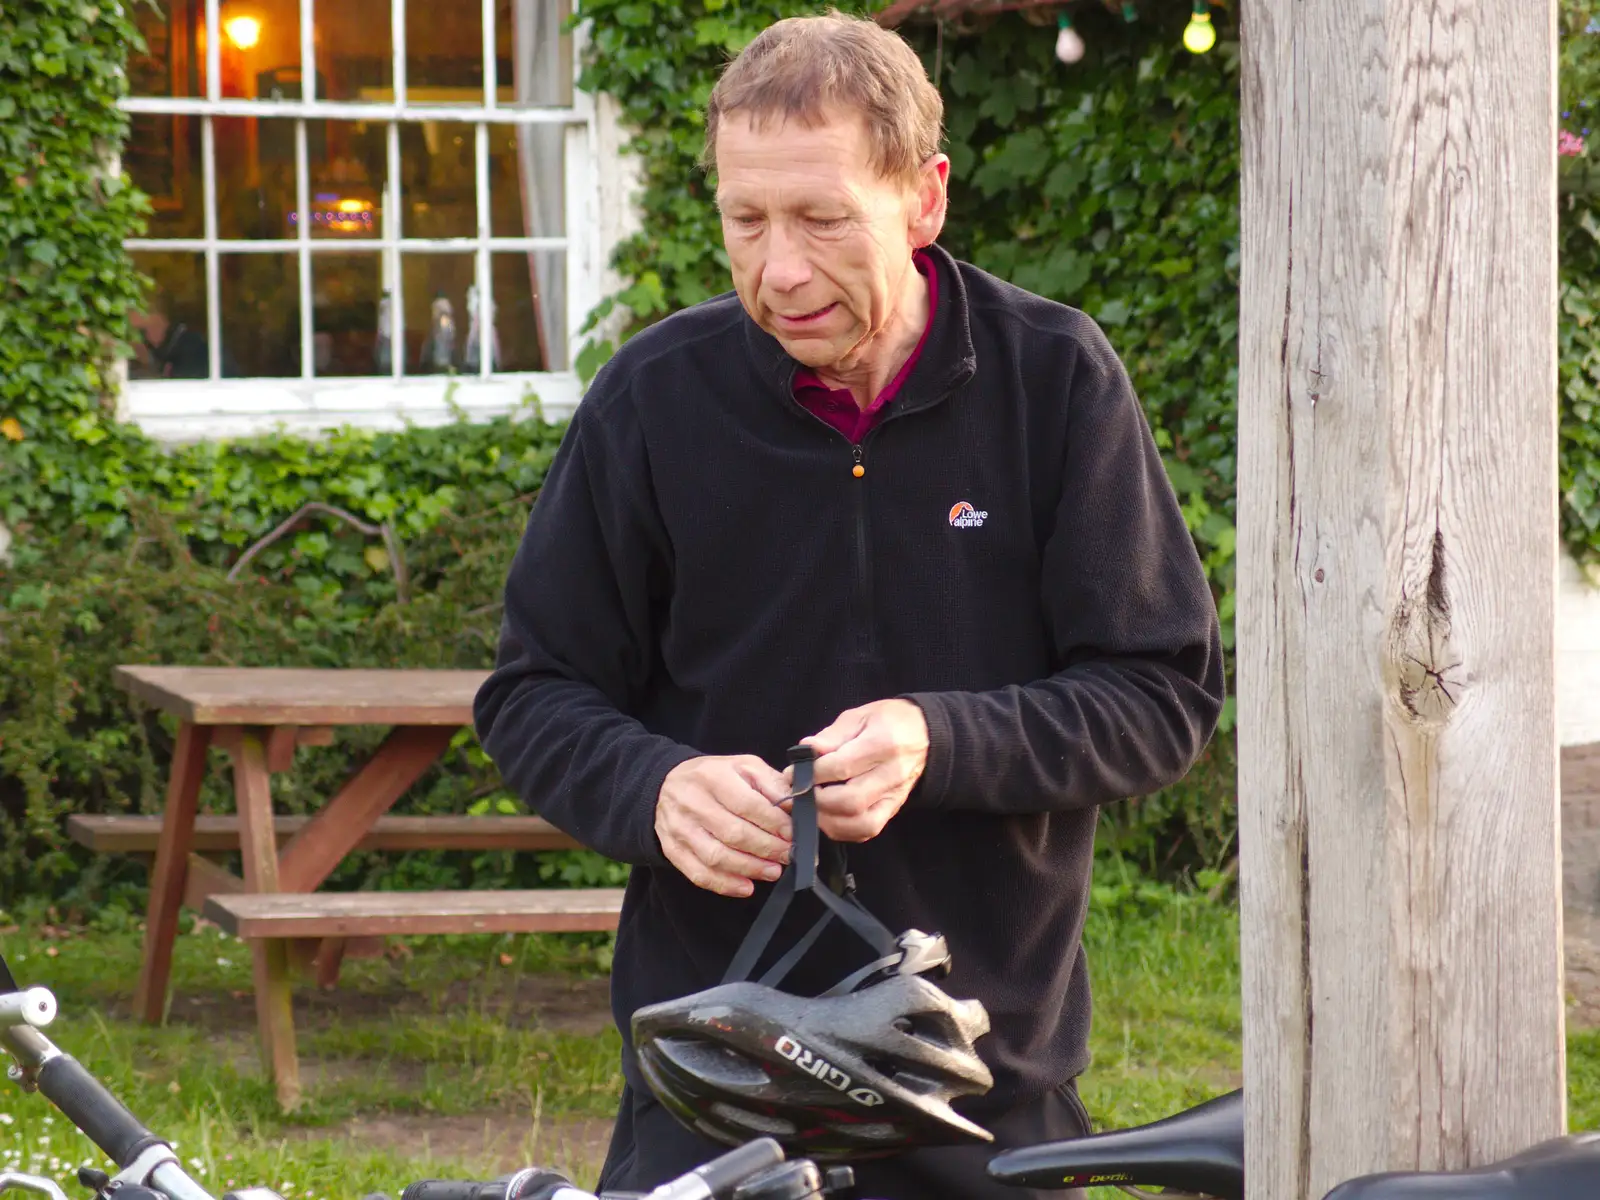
{"x": 559, "y": 1003}
{"x": 493, "y": 1142}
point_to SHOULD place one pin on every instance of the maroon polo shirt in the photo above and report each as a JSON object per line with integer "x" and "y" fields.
{"x": 837, "y": 406}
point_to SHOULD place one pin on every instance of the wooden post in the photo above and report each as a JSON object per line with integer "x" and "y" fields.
{"x": 1400, "y": 876}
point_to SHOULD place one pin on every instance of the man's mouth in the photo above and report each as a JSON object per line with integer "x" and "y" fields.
{"x": 804, "y": 319}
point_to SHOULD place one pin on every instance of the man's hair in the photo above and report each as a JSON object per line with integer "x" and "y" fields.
{"x": 800, "y": 66}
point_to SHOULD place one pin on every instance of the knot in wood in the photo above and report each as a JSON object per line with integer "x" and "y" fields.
{"x": 1420, "y": 656}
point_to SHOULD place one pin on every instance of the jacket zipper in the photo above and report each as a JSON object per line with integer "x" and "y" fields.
{"x": 866, "y": 637}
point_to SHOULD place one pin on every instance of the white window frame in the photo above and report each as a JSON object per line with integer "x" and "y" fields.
{"x": 184, "y": 410}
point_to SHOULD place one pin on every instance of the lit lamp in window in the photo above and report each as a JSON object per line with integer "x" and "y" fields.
{"x": 243, "y": 32}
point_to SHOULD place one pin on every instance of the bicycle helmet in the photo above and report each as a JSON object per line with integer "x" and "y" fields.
{"x": 869, "y": 1068}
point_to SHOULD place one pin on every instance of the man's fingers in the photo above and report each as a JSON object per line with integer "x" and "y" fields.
{"x": 861, "y": 792}
{"x": 862, "y": 826}
{"x": 680, "y": 853}
{"x": 773, "y": 785}
{"x": 759, "y": 805}
{"x": 846, "y": 727}
{"x": 724, "y": 859}
{"x": 733, "y": 831}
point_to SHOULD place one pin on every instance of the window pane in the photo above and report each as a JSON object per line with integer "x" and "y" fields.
{"x": 527, "y": 180}
{"x": 173, "y": 61}
{"x": 535, "y": 55}
{"x": 436, "y": 311}
{"x": 349, "y": 167}
{"x": 260, "y": 303}
{"x": 346, "y": 292}
{"x": 255, "y": 176}
{"x": 438, "y": 181}
{"x": 162, "y": 157}
{"x": 355, "y": 52}
{"x": 444, "y": 53}
{"x": 530, "y": 300}
{"x": 261, "y": 49}
{"x": 169, "y": 335}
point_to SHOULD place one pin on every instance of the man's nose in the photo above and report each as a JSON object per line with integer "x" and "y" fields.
{"x": 787, "y": 266}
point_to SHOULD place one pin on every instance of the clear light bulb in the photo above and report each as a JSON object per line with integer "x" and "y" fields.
{"x": 1201, "y": 34}
{"x": 243, "y": 32}
{"x": 1069, "y": 46}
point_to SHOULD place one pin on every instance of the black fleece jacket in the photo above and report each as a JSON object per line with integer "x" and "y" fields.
{"x": 704, "y": 573}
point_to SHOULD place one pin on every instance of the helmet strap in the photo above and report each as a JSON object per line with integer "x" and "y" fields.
{"x": 801, "y": 876}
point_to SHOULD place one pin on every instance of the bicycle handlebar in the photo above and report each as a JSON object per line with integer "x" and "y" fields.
{"x": 149, "y": 1162}
{"x": 533, "y": 1183}
{"x": 715, "y": 1180}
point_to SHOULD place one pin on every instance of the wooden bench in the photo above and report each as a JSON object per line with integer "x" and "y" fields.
{"x": 358, "y": 914}
{"x": 259, "y": 717}
{"x": 214, "y": 834}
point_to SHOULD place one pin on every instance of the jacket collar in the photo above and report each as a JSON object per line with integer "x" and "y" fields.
{"x": 947, "y": 360}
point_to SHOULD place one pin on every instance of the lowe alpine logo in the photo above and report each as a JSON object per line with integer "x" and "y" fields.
{"x": 964, "y": 516}
{"x": 815, "y": 1064}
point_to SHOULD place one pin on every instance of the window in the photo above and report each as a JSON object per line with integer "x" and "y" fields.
{"x": 363, "y": 210}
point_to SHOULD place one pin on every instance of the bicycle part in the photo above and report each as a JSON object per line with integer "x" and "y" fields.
{"x": 30, "y": 1183}
{"x": 1200, "y": 1150}
{"x": 798, "y": 1179}
{"x": 147, "y": 1162}
{"x": 530, "y": 1183}
{"x": 35, "y": 1006}
{"x": 719, "y": 1177}
{"x": 714, "y": 1180}
{"x": 1557, "y": 1169}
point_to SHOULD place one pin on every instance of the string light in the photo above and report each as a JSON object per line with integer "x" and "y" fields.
{"x": 1201, "y": 34}
{"x": 1069, "y": 45}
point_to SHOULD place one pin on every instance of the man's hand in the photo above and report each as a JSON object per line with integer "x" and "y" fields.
{"x": 868, "y": 761}
{"x": 719, "y": 822}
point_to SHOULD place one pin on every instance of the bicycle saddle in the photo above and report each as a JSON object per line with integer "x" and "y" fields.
{"x": 1198, "y": 1150}
{"x": 1559, "y": 1169}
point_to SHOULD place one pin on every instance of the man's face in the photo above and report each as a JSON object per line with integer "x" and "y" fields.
{"x": 819, "y": 242}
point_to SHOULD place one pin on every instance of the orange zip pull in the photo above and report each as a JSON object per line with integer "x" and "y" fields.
{"x": 858, "y": 470}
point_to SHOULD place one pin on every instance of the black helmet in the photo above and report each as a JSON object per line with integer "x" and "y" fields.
{"x": 868, "y": 1068}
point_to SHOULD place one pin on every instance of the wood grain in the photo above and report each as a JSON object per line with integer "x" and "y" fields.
{"x": 347, "y": 914}
{"x": 270, "y": 959}
{"x": 207, "y": 879}
{"x": 168, "y": 876}
{"x": 1400, "y": 879}
{"x": 295, "y": 696}
{"x": 219, "y": 833}
{"x": 338, "y": 827}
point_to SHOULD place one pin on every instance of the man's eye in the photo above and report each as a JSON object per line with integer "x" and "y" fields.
{"x": 825, "y": 224}
{"x": 744, "y": 221}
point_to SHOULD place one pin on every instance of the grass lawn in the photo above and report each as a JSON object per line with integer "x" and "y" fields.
{"x": 467, "y": 1056}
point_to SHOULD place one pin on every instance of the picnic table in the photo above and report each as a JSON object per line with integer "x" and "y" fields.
{"x": 258, "y": 716}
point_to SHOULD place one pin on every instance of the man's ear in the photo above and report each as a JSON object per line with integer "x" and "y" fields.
{"x": 932, "y": 201}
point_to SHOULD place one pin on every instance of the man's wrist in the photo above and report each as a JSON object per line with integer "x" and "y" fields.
{"x": 933, "y": 784}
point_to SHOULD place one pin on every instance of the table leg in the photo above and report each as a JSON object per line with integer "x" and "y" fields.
{"x": 258, "y": 846}
{"x": 168, "y": 876}
{"x": 330, "y": 835}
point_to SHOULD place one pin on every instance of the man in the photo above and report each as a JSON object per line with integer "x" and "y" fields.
{"x": 169, "y": 349}
{"x": 882, "y": 499}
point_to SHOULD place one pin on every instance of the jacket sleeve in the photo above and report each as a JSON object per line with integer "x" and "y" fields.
{"x": 1138, "y": 686}
{"x": 577, "y": 643}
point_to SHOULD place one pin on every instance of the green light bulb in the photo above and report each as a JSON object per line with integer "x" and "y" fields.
{"x": 1201, "y": 34}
